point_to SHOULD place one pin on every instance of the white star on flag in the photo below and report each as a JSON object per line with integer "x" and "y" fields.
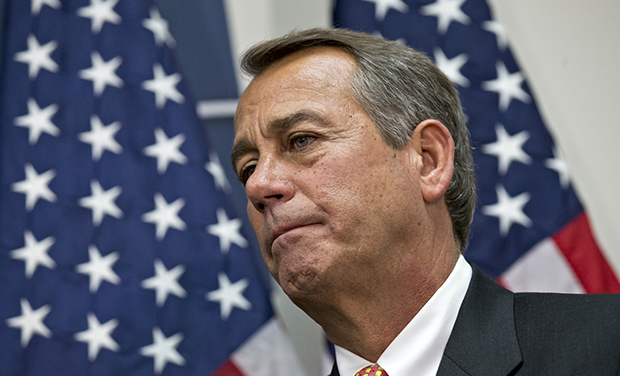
{"x": 102, "y": 202}
{"x": 100, "y": 12}
{"x": 35, "y": 186}
{"x": 31, "y": 322}
{"x": 499, "y": 31}
{"x": 159, "y": 27}
{"x": 36, "y": 5}
{"x": 38, "y": 121}
{"x": 165, "y": 216}
{"x": 452, "y": 67}
{"x": 165, "y": 282}
{"x": 382, "y": 7}
{"x": 509, "y": 210}
{"x": 446, "y": 11}
{"x": 98, "y": 336}
{"x": 34, "y": 253}
{"x": 101, "y": 137}
{"x": 558, "y": 165}
{"x": 164, "y": 87}
{"x": 102, "y": 73}
{"x": 227, "y": 230}
{"x": 166, "y": 150}
{"x": 99, "y": 268}
{"x": 230, "y": 295}
{"x": 217, "y": 171}
{"x": 38, "y": 57}
{"x": 507, "y": 85}
{"x": 164, "y": 350}
{"x": 508, "y": 148}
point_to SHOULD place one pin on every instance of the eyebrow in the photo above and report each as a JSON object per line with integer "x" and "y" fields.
{"x": 241, "y": 148}
{"x": 244, "y": 146}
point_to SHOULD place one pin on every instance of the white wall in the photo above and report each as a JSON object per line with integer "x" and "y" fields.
{"x": 570, "y": 52}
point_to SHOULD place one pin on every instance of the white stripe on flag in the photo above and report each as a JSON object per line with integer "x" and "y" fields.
{"x": 219, "y": 108}
{"x": 268, "y": 352}
{"x": 542, "y": 269}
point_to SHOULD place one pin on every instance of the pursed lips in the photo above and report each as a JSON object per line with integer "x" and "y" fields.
{"x": 283, "y": 229}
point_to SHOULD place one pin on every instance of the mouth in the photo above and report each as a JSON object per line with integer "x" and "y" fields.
{"x": 282, "y": 230}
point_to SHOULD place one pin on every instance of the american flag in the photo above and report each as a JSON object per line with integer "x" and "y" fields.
{"x": 530, "y": 231}
{"x": 120, "y": 253}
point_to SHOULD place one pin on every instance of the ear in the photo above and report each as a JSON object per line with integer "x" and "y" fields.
{"x": 436, "y": 147}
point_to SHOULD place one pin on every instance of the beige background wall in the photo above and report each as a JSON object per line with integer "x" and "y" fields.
{"x": 570, "y": 52}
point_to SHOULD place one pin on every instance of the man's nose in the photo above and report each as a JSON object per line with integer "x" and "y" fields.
{"x": 269, "y": 184}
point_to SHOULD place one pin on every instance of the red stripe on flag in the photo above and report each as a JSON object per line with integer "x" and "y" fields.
{"x": 228, "y": 369}
{"x": 501, "y": 282}
{"x": 579, "y": 247}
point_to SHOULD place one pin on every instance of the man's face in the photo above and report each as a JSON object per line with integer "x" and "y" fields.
{"x": 332, "y": 205}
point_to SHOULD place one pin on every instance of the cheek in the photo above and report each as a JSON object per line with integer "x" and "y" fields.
{"x": 257, "y": 222}
{"x": 352, "y": 188}
{"x": 256, "y": 219}
{"x": 366, "y": 201}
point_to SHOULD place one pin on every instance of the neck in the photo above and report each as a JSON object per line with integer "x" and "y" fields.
{"x": 367, "y": 318}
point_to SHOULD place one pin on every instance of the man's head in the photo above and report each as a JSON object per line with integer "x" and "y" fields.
{"x": 344, "y": 142}
{"x": 399, "y": 88}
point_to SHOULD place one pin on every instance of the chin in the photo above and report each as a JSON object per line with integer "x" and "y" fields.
{"x": 301, "y": 284}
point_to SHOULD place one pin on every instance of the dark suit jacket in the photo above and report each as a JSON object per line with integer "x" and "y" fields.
{"x": 500, "y": 333}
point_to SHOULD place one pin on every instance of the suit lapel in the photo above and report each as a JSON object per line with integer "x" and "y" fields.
{"x": 448, "y": 367}
{"x": 483, "y": 341}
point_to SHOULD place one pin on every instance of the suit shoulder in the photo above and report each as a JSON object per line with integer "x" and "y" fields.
{"x": 575, "y": 331}
{"x": 576, "y": 312}
{"x": 568, "y": 305}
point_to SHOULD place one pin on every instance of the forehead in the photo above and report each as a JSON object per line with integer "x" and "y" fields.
{"x": 309, "y": 75}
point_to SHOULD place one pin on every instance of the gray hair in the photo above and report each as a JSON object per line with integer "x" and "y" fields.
{"x": 399, "y": 88}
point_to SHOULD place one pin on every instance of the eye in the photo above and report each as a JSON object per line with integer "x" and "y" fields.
{"x": 301, "y": 141}
{"x": 246, "y": 172}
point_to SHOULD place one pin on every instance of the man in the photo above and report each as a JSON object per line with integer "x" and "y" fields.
{"x": 355, "y": 158}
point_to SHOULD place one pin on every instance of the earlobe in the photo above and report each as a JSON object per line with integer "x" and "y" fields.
{"x": 436, "y": 148}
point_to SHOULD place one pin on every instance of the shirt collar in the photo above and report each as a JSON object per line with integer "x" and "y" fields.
{"x": 419, "y": 347}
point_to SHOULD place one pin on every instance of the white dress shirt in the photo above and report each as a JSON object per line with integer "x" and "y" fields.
{"x": 419, "y": 347}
